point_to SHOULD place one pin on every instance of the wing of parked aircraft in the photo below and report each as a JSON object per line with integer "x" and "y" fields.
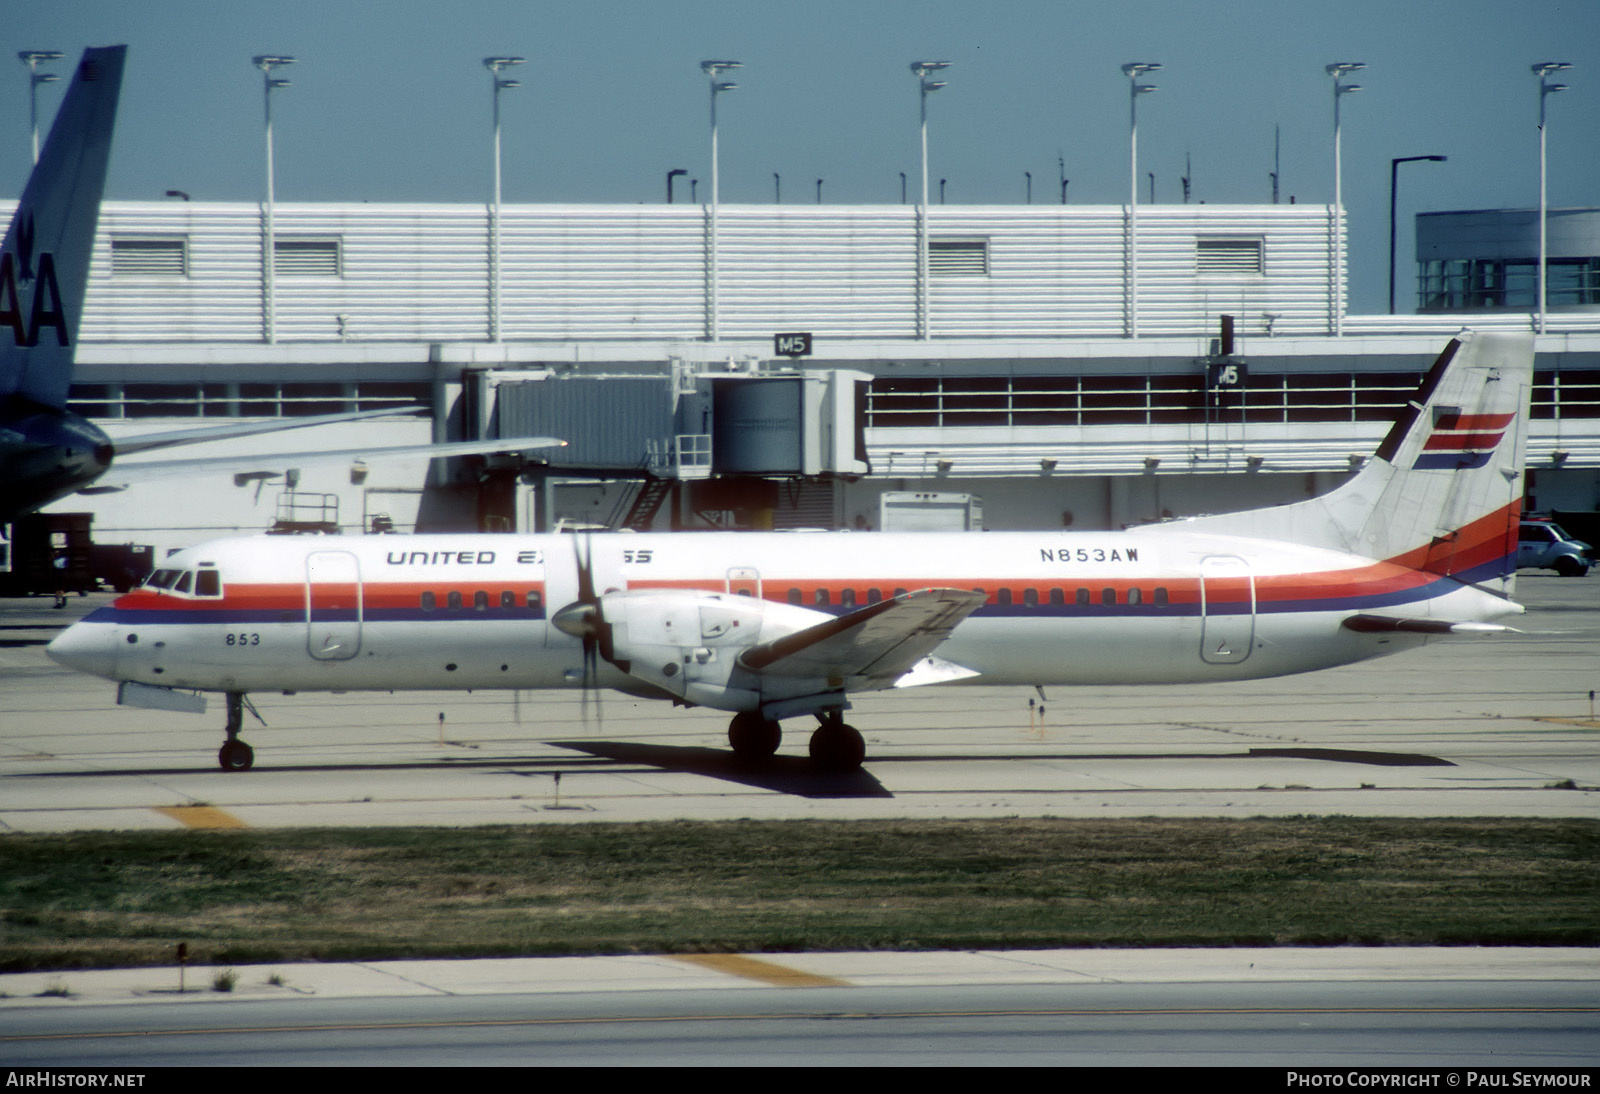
{"x": 138, "y": 471}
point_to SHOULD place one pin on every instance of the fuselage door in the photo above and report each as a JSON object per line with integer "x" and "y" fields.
{"x": 1227, "y": 609}
{"x": 744, "y": 581}
{"x": 333, "y": 605}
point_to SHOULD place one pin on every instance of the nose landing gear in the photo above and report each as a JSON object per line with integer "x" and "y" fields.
{"x": 235, "y": 755}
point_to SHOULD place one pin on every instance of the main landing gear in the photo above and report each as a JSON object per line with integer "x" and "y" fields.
{"x": 235, "y": 755}
{"x": 835, "y": 747}
{"x": 752, "y": 736}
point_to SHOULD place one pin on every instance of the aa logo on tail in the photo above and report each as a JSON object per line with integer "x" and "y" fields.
{"x": 46, "y": 308}
{"x": 1462, "y": 441}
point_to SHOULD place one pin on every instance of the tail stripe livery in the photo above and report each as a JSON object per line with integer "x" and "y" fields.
{"x": 1462, "y": 441}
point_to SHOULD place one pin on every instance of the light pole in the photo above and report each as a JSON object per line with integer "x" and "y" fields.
{"x": 1339, "y": 70}
{"x": 714, "y": 70}
{"x": 922, "y": 70}
{"x": 31, "y": 58}
{"x": 498, "y": 84}
{"x": 269, "y": 244}
{"x": 1543, "y": 70}
{"x": 1135, "y": 71}
{"x": 1394, "y": 179}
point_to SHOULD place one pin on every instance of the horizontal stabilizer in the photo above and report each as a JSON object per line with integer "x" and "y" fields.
{"x": 1376, "y": 624}
{"x": 881, "y": 641}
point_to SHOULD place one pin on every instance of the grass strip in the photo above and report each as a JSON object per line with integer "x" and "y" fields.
{"x": 127, "y": 898}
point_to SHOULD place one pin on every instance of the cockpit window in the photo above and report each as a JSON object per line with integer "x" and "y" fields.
{"x": 184, "y": 581}
{"x": 207, "y": 583}
{"x": 163, "y": 579}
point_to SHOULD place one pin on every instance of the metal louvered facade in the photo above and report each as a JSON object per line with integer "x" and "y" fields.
{"x": 415, "y": 272}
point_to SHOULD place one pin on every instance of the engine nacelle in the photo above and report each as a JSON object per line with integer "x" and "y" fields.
{"x": 688, "y": 643}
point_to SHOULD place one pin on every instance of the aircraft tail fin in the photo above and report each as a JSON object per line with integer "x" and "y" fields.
{"x": 1443, "y": 493}
{"x": 44, "y": 262}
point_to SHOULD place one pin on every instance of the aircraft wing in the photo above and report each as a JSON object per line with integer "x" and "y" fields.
{"x": 122, "y": 474}
{"x": 148, "y": 442}
{"x": 880, "y": 642}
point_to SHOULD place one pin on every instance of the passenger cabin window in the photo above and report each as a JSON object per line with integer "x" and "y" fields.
{"x": 534, "y": 600}
{"x": 1058, "y": 598}
{"x": 1083, "y": 596}
{"x": 1135, "y": 596}
{"x": 1161, "y": 595}
{"x": 1030, "y": 598}
{"x": 822, "y": 598}
{"x": 794, "y": 597}
{"x": 874, "y": 596}
{"x": 1108, "y": 596}
{"x": 1005, "y": 596}
{"x": 429, "y": 602}
{"x": 480, "y": 601}
{"x": 508, "y": 599}
{"x": 847, "y": 598}
{"x": 454, "y": 600}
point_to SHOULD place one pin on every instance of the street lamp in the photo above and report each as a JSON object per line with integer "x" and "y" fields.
{"x": 922, "y": 70}
{"x": 267, "y": 63}
{"x": 1543, "y": 70}
{"x": 1339, "y": 70}
{"x": 498, "y": 83}
{"x": 1394, "y": 178}
{"x": 1135, "y": 71}
{"x": 714, "y": 70}
{"x": 31, "y": 58}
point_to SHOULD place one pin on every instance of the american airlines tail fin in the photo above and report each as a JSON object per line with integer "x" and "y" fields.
{"x": 44, "y": 262}
{"x": 1443, "y": 493}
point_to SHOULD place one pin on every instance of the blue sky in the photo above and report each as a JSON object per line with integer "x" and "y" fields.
{"x": 391, "y": 103}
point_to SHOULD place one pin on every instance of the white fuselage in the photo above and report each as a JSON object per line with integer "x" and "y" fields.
{"x": 1150, "y": 605}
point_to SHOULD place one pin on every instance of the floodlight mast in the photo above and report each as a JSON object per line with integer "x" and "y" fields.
{"x": 1339, "y": 70}
{"x": 714, "y": 70}
{"x": 922, "y": 70}
{"x": 1135, "y": 71}
{"x": 498, "y": 84}
{"x": 32, "y": 58}
{"x": 1543, "y": 70}
{"x": 267, "y": 63}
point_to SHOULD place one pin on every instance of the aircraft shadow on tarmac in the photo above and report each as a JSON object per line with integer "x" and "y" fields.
{"x": 784, "y": 774}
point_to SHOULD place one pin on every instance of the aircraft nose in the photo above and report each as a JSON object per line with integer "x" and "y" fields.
{"x": 87, "y": 647}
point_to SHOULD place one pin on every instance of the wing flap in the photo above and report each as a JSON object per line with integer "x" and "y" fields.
{"x": 1376, "y": 624}
{"x": 882, "y": 641}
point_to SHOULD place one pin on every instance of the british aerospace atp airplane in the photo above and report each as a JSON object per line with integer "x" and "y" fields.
{"x": 1420, "y": 544}
{"x": 46, "y": 450}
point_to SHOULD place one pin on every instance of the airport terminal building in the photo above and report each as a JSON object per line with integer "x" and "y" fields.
{"x": 770, "y": 366}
